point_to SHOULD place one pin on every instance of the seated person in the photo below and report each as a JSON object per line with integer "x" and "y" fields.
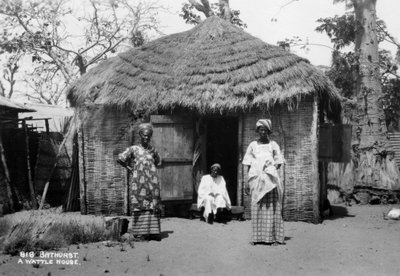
{"x": 212, "y": 193}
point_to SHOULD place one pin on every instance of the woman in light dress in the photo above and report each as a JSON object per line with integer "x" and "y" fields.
{"x": 263, "y": 159}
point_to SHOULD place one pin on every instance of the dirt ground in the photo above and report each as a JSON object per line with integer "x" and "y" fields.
{"x": 356, "y": 241}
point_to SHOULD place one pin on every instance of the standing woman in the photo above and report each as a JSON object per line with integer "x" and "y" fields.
{"x": 141, "y": 161}
{"x": 263, "y": 158}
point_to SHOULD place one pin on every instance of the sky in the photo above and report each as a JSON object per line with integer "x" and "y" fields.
{"x": 293, "y": 18}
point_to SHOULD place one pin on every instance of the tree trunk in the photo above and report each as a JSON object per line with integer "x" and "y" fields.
{"x": 370, "y": 143}
{"x": 225, "y": 10}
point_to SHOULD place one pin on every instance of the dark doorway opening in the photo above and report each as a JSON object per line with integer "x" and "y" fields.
{"x": 222, "y": 148}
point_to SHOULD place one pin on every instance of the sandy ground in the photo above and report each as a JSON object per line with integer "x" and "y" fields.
{"x": 356, "y": 241}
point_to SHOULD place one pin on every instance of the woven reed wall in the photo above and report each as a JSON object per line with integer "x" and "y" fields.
{"x": 104, "y": 134}
{"x": 292, "y": 130}
{"x": 395, "y": 144}
{"x": 48, "y": 148}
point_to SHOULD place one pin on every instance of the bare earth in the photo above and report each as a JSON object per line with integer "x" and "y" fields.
{"x": 356, "y": 241}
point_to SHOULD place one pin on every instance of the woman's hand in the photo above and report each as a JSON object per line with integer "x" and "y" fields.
{"x": 247, "y": 190}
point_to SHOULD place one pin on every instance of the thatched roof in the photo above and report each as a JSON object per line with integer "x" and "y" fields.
{"x": 215, "y": 66}
{"x": 7, "y": 103}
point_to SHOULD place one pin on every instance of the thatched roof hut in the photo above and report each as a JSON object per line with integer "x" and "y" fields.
{"x": 213, "y": 67}
{"x": 212, "y": 77}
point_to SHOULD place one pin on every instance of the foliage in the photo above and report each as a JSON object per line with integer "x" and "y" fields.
{"x": 338, "y": 30}
{"x": 343, "y": 72}
{"x": 191, "y": 15}
{"x": 60, "y": 40}
{"x": 288, "y": 43}
{"x": 341, "y": 30}
{"x": 49, "y": 230}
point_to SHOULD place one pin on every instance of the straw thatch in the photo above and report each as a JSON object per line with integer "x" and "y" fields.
{"x": 213, "y": 67}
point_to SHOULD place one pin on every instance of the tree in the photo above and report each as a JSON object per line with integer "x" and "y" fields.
{"x": 222, "y": 9}
{"x": 11, "y": 66}
{"x": 61, "y": 42}
{"x": 342, "y": 31}
{"x": 360, "y": 74}
{"x": 368, "y": 80}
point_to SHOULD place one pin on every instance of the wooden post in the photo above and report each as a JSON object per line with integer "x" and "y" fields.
{"x": 28, "y": 164}
{"x": 82, "y": 171}
{"x": 7, "y": 173}
{"x": 240, "y": 177}
{"x": 314, "y": 158}
{"x": 46, "y": 122}
{"x": 69, "y": 206}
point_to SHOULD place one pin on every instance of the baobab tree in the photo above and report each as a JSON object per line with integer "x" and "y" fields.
{"x": 370, "y": 141}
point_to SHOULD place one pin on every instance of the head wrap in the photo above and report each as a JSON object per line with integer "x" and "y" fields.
{"x": 216, "y": 165}
{"x": 145, "y": 126}
{"x": 264, "y": 123}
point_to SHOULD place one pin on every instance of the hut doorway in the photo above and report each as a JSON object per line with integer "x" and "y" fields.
{"x": 222, "y": 148}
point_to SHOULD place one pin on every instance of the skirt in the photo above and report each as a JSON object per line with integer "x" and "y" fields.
{"x": 266, "y": 219}
{"x": 145, "y": 223}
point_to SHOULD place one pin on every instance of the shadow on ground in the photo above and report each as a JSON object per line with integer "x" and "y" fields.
{"x": 338, "y": 212}
{"x": 165, "y": 234}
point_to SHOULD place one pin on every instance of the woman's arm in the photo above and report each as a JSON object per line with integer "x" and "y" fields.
{"x": 126, "y": 157}
{"x": 278, "y": 157}
{"x": 246, "y": 183}
{"x": 156, "y": 156}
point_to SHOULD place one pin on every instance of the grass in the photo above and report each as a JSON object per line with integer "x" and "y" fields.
{"x": 49, "y": 230}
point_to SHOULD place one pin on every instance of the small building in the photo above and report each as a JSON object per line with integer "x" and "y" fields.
{"x": 11, "y": 142}
{"x": 203, "y": 90}
{"x": 51, "y": 118}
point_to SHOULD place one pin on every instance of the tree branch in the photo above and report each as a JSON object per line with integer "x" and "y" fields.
{"x": 204, "y": 7}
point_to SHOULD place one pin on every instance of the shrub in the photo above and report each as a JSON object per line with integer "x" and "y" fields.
{"x": 49, "y": 230}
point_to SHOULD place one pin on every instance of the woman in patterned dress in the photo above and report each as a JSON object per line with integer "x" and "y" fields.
{"x": 141, "y": 161}
{"x": 263, "y": 158}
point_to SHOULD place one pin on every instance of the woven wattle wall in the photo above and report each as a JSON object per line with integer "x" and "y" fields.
{"x": 395, "y": 144}
{"x": 292, "y": 130}
{"x": 104, "y": 134}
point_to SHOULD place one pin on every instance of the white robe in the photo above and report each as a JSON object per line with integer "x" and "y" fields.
{"x": 263, "y": 175}
{"x": 212, "y": 194}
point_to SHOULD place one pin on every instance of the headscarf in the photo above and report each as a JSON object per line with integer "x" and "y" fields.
{"x": 145, "y": 126}
{"x": 265, "y": 123}
{"x": 216, "y": 165}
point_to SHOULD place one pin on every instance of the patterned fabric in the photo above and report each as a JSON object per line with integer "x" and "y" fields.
{"x": 264, "y": 122}
{"x": 266, "y": 219}
{"x": 143, "y": 179}
{"x": 146, "y": 223}
{"x": 145, "y": 126}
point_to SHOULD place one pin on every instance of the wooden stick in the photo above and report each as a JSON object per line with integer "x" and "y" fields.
{"x": 46, "y": 121}
{"x": 82, "y": 171}
{"x": 28, "y": 164}
{"x": 46, "y": 186}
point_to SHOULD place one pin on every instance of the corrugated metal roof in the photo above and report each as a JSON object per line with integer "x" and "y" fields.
{"x": 58, "y": 116}
{"x": 5, "y": 102}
